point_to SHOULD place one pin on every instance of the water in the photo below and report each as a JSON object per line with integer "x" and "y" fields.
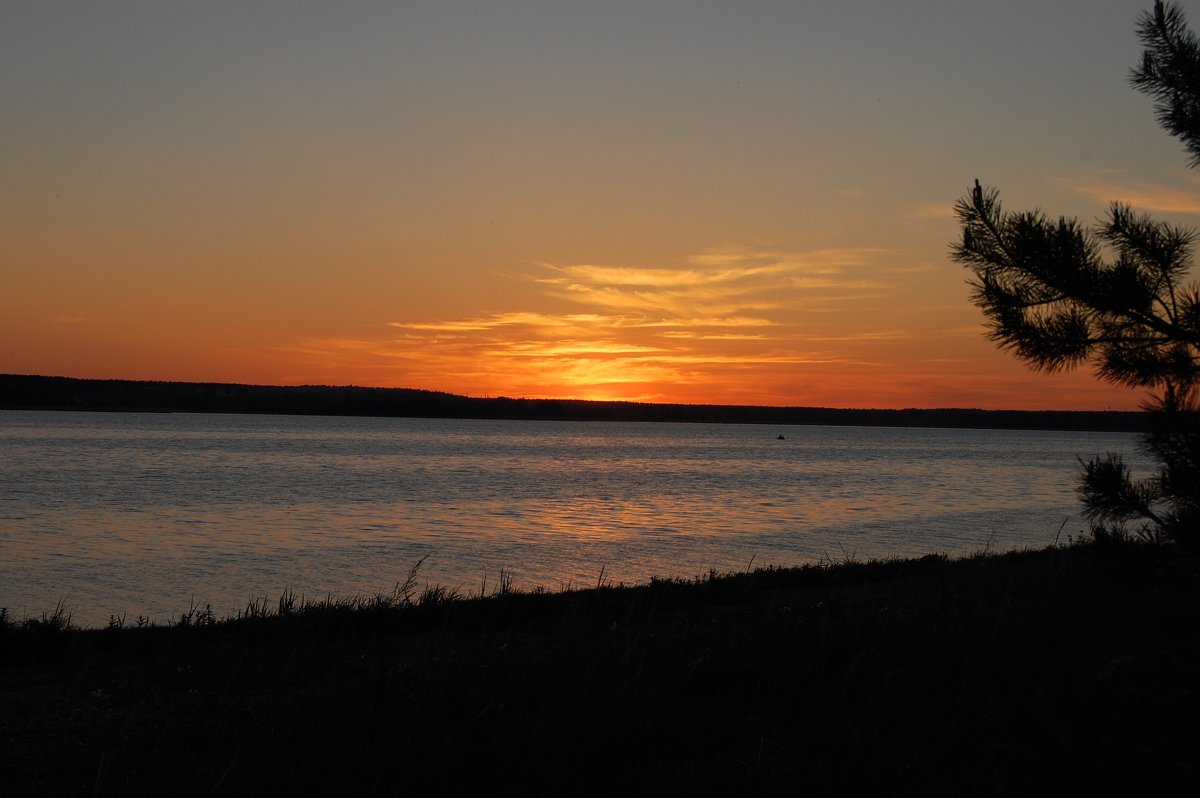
{"x": 144, "y": 514}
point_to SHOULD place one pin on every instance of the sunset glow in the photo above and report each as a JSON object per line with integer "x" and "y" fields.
{"x": 692, "y": 203}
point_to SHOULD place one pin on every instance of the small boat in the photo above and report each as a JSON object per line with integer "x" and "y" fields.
{"x": 781, "y": 438}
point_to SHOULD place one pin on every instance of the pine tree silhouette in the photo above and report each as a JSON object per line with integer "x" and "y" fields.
{"x": 1059, "y": 294}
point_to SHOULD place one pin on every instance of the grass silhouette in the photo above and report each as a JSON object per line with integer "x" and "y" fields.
{"x": 1069, "y": 668}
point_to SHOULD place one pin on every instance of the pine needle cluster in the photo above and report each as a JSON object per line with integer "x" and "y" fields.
{"x": 1059, "y": 294}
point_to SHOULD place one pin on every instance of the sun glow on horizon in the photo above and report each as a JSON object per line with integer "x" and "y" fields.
{"x": 731, "y": 326}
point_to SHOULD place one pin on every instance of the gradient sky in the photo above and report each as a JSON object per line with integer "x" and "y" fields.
{"x": 740, "y": 202}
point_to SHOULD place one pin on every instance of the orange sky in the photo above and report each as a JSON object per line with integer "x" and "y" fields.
{"x": 684, "y": 203}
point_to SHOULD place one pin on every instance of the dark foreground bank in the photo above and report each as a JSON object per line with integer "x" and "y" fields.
{"x": 1057, "y": 670}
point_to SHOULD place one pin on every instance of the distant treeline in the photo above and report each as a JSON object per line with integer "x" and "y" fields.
{"x": 23, "y": 392}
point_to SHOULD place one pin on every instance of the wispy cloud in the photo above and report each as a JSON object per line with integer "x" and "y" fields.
{"x": 618, "y": 331}
{"x": 701, "y": 336}
{"x": 967, "y": 330}
{"x": 712, "y": 321}
{"x": 933, "y": 210}
{"x": 919, "y": 268}
{"x": 718, "y": 283}
{"x": 881, "y": 335}
{"x": 498, "y": 320}
{"x": 1146, "y": 196}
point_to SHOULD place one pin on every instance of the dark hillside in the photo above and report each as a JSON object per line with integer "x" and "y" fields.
{"x": 63, "y": 393}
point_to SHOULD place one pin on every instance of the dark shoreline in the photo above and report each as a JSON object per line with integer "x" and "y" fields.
{"x": 1064, "y": 670}
{"x": 26, "y": 392}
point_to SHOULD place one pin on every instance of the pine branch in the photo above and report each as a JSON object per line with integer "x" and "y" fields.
{"x": 1170, "y": 73}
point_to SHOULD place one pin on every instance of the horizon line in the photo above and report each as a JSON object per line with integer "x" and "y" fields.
{"x": 504, "y": 397}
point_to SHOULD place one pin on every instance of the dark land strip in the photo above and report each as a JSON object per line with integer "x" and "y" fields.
{"x": 1066, "y": 670}
{"x": 24, "y": 392}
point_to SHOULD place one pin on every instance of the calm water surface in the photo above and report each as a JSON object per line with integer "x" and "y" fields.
{"x": 147, "y": 514}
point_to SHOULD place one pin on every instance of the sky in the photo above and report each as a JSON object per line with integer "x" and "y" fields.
{"x": 702, "y": 202}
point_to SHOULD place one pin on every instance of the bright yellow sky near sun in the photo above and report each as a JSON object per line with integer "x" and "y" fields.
{"x": 689, "y": 202}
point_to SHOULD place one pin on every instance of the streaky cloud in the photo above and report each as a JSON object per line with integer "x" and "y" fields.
{"x": 933, "y": 210}
{"x": 882, "y": 335}
{"x": 721, "y": 317}
{"x": 1146, "y": 196}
